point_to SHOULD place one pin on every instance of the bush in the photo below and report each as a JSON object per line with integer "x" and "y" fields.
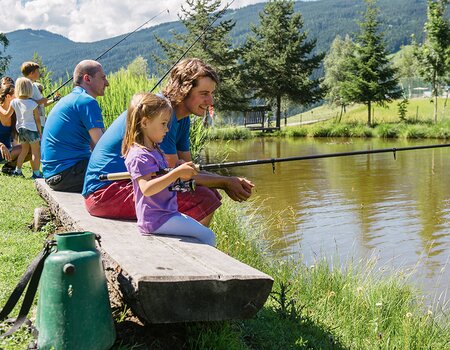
{"x": 387, "y": 131}
{"x": 415, "y": 132}
{"x": 296, "y": 132}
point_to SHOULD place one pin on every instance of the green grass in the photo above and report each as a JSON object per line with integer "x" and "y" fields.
{"x": 18, "y": 244}
{"x": 418, "y": 110}
{"x": 330, "y": 305}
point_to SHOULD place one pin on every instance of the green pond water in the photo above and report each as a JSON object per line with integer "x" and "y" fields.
{"x": 396, "y": 211}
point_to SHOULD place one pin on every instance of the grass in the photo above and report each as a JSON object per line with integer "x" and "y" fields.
{"x": 418, "y": 110}
{"x": 330, "y": 305}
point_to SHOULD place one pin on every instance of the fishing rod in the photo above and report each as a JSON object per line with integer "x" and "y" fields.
{"x": 195, "y": 42}
{"x": 215, "y": 166}
{"x": 109, "y": 49}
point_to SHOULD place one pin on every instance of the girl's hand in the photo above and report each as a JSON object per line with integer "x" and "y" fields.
{"x": 185, "y": 171}
{"x": 6, "y": 155}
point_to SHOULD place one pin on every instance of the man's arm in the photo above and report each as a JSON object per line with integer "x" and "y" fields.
{"x": 237, "y": 188}
{"x": 95, "y": 134}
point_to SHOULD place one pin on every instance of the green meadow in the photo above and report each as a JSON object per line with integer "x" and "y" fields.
{"x": 326, "y": 305}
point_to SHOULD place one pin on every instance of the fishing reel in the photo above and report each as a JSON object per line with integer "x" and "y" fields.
{"x": 183, "y": 186}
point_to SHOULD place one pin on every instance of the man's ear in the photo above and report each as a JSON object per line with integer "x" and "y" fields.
{"x": 86, "y": 78}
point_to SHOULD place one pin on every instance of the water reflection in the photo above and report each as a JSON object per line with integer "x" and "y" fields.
{"x": 356, "y": 206}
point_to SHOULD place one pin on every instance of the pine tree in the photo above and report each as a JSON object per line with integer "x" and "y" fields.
{"x": 336, "y": 65}
{"x": 372, "y": 77}
{"x": 4, "y": 60}
{"x": 214, "y": 47}
{"x": 138, "y": 67}
{"x": 45, "y": 75}
{"x": 278, "y": 60}
{"x": 434, "y": 53}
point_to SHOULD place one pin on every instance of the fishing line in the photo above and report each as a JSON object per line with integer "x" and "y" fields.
{"x": 109, "y": 49}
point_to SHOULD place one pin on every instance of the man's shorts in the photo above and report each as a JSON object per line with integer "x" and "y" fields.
{"x": 28, "y": 136}
{"x": 69, "y": 180}
{"x": 116, "y": 201}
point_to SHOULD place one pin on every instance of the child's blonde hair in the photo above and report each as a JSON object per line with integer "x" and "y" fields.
{"x": 143, "y": 105}
{"x": 24, "y": 88}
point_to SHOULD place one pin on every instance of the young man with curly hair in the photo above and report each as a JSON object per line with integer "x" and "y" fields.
{"x": 190, "y": 90}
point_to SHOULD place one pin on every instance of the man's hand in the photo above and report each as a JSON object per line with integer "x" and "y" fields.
{"x": 4, "y": 151}
{"x": 238, "y": 188}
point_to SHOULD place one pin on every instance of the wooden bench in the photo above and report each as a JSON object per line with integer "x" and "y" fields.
{"x": 165, "y": 279}
{"x": 255, "y": 118}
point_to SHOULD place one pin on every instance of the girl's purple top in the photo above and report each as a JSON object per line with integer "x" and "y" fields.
{"x": 155, "y": 210}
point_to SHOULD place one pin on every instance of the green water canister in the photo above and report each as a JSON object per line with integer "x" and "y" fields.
{"x": 73, "y": 304}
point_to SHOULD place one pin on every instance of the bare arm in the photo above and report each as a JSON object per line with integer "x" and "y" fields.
{"x": 237, "y": 188}
{"x": 95, "y": 134}
{"x": 150, "y": 185}
{"x": 37, "y": 120}
{"x": 43, "y": 101}
{"x": 4, "y": 152}
{"x": 6, "y": 113}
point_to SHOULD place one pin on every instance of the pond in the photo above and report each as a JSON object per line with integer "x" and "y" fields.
{"x": 396, "y": 211}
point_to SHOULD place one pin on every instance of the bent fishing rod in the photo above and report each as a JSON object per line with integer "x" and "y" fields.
{"x": 125, "y": 175}
{"x": 109, "y": 49}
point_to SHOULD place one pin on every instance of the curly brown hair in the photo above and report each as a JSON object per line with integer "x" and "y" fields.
{"x": 184, "y": 77}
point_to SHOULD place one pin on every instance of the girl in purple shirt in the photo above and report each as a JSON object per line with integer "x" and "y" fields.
{"x": 156, "y": 207}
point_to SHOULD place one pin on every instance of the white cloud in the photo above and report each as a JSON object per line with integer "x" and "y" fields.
{"x": 90, "y": 20}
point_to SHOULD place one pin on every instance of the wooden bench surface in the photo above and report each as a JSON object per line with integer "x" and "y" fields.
{"x": 166, "y": 279}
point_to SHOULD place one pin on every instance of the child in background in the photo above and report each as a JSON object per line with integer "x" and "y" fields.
{"x": 28, "y": 126}
{"x": 31, "y": 71}
{"x": 156, "y": 207}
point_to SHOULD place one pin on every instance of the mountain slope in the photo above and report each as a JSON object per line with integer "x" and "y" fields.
{"x": 324, "y": 19}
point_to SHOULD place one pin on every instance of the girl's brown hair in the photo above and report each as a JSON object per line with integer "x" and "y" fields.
{"x": 142, "y": 105}
{"x": 184, "y": 77}
{"x": 6, "y": 90}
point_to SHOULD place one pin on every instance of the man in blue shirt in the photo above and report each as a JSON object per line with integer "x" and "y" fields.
{"x": 73, "y": 128}
{"x": 190, "y": 89}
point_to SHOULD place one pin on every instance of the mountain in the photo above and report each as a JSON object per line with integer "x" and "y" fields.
{"x": 323, "y": 20}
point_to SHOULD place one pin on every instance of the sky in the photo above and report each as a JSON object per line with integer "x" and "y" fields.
{"x": 91, "y": 20}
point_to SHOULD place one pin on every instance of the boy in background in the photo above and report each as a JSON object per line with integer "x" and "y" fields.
{"x": 31, "y": 71}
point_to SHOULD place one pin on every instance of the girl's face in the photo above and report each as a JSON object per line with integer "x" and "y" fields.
{"x": 154, "y": 129}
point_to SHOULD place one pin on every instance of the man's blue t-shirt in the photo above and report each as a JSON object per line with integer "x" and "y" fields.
{"x": 106, "y": 157}
{"x": 66, "y": 139}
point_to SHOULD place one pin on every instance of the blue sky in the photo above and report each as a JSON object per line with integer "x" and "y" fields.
{"x": 90, "y": 20}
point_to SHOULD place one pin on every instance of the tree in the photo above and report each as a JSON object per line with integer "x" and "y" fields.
{"x": 4, "y": 60}
{"x": 214, "y": 47}
{"x": 277, "y": 58}
{"x": 45, "y": 75}
{"x": 372, "y": 77}
{"x": 139, "y": 67}
{"x": 406, "y": 62}
{"x": 336, "y": 65}
{"x": 434, "y": 53}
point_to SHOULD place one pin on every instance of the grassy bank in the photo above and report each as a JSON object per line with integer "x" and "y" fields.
{"x": 325, "y": 121}
{"x": 311, "y": 307}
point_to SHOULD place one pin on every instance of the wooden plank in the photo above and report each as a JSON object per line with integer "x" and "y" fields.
{"x": 166, "y": 279}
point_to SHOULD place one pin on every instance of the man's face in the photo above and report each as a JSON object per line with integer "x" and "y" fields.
{"x": 201, "y": 96}
{"x": 97, "y": 83}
